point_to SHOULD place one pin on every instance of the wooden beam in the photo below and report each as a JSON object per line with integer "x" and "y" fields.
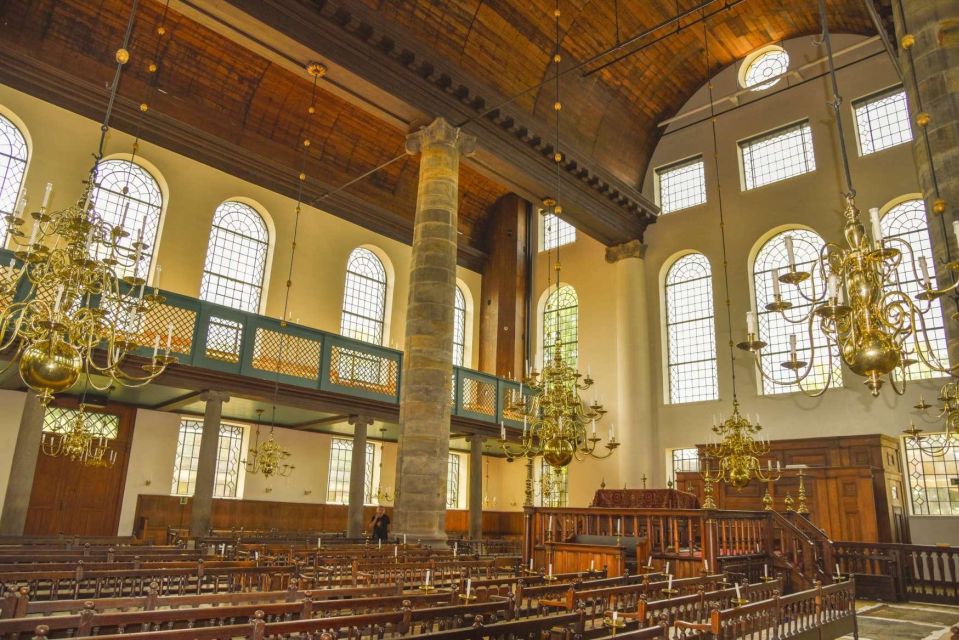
{"x": 175, "y": 404}
{"x": 320, "y": 421}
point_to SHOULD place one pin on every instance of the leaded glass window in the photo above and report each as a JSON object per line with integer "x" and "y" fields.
{"x": 236, "y": 258}
{"x": 364, "y": 297}
{"x": 561, "y": 319}
{"x": 128, "y": 195}
{"x": 690, "y": 330}
{"x": 341, "y": 462}
{"x": 459, "y": 328}
{"x": 681, "y": 185}
{"x": 61, "y": 420}
{"x": 228, "y": 455}
{"x": 685, "y": 461}
{"x": 906, "y": 222}
{"x": 453, "y": 482}
{"x": 773, "y": 261}
{"x": 553, "y": 485}
{"x": 13, "y": 166}
{"x": 882, "y": 121}
{"x": 556, "y": 232}
{"x": 778, "y": 155}
{"x": 765, "y": 70}
{"x": 933, "y": 480}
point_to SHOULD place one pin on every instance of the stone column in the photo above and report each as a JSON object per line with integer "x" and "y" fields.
{"x": 476, "y": 487}
{"x": 423, "y": 447}
{"x": 206, "y": 464}
{"x": 354, "y": 527}
{"x": 25, "y": 452}
{"x": 634, "y": 402}
{"x": 931, "y": 34}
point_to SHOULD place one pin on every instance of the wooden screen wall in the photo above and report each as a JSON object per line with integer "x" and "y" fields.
{"x": 155, "y": 513}
{"x": 72, "y": 499}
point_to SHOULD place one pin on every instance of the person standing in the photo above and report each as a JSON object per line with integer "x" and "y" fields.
{"x": 381, "y": 524}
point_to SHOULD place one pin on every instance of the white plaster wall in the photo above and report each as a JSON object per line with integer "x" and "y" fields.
{"x": 11, "y": 408}
{"x": 150, "y": 469}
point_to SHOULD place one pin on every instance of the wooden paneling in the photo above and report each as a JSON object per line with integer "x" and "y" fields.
{"x": 854, "y": 486}
{"x": 156, "y": 513}
{"x": 568, "y": 557}
{"x": 72, "y": 499}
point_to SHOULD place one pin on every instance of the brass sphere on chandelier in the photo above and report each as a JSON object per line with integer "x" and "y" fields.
{"x": 50, "y": 366}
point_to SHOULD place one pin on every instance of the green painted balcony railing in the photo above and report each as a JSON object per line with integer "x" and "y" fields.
{"x": 212, "y": 336}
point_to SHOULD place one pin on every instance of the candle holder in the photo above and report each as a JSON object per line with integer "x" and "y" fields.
{"x": 768, "y": 578}
{"x": 739, "y": 601}
{"x": 427, "y": 588}
{"x": 550, "y": 578}
{"x": 669, "y": 592}
{"x": 613, "y": 625}
{"x": 647, "y": 569}
{"x": 467, "y": 598}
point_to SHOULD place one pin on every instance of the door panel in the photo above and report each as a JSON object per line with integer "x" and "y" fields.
{"x": 72, "y": 499}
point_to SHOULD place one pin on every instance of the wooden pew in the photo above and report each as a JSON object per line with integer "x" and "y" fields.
{"x": 628, "y": 594}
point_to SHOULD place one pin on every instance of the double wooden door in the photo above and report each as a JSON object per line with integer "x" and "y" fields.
{"x": 72, "y": 499}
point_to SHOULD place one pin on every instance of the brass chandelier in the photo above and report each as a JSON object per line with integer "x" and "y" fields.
{"x": 948, "y": 412}
{"x": 738, "y": 454}
{"x": 78, "y": 443}
{"x": 267, "y": 458}
{"x": 65, "y": 308}
{"x": 557, "y": 423}
{"x": 856, "y": 301}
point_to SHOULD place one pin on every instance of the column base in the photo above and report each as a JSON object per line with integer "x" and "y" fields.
{"x": 432, "y": 540}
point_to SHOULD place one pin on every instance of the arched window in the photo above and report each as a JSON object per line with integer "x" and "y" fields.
{"x": 459, "y": 328}
{"x": 13, "y": 166}
{"x": 907, "y": 222}
{"x": 690, "y": 330}
{"x": 364, "y": 297}
{"x": 236, "y": 258}
{"x": 561, "y": 318}
{"x": 127, "y": 195}
{"x": 771, "y": 262}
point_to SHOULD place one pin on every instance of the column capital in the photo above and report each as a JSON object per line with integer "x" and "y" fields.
{"x": 440, "y": 132}
{"x": 360, "y": 420}
{"x": 631, "y": 249}
{"x": 215, "y": 396}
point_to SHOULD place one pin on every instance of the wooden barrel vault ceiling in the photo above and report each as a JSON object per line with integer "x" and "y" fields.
{"x": 231, "y": 91}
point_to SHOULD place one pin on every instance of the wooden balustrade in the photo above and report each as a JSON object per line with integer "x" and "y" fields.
{"x": 902, "y": 571}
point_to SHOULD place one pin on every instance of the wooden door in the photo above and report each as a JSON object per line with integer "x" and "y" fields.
{"x": 72, "y": 499}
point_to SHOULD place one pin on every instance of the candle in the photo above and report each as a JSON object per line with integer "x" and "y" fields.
{"x": 649, "y": 563}
{"x": 832, "y": 283}
{"x": 769, "y": 465}
{"x": 123, "y": 218}
{"x": 615, "y": 614}
{"x": 379, "y": 544}
{"x": 792, "y": 347}
{"x": 404, "y": 538}
{"x": 594, "y": 426}
{"x": 876, "y": 226}
{"x": 469, "y": 587}
{"x": 169, "y": 336}
{"x": 455, "y": 549}
{"x": 750, "y": 323}
{"x": 618, "y": 523}
{"x": 592, "y": 565}
{"x": 156, "y": 346}
{"x": 46, "y": 195}
{"x": 775, "y": 278}
{"x": 705, "y": 565}
{"x": 396, "y": 551}
{"x": 524, "y": 426}
{"x": 33, "y": 232}
{"x": 23, "y": 204}
{"x": 790, "y": 254}
{"x": 955, "y": 229}
{"x": 612, "y": 432}
{"x": 838, "y": 572}
{"x": 550, "y": 569}
{"x": 59, "y": 299}
{"x": 530, "y": 564}
{"x": 550, "y": 522}
{"x": 90, "y": 236}
{"x": 777, "y": 462}
{"x": 502, "y": 430}
{"x": 667, "y": 568}
{"x": 925, "y": 272}
{"x": 669, "y": 585}
{"x": 738, "y": 594}
{"x": 427, "y": 577}
{"x": 765, "y": 570}
{"x": 319, "y": 543}
{"x": 156, "y": 277}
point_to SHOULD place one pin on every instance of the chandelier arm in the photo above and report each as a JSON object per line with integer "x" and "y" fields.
{"x": 898, "y": 387}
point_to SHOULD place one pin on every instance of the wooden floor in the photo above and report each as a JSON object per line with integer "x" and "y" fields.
{"x": 905, "y": 621}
